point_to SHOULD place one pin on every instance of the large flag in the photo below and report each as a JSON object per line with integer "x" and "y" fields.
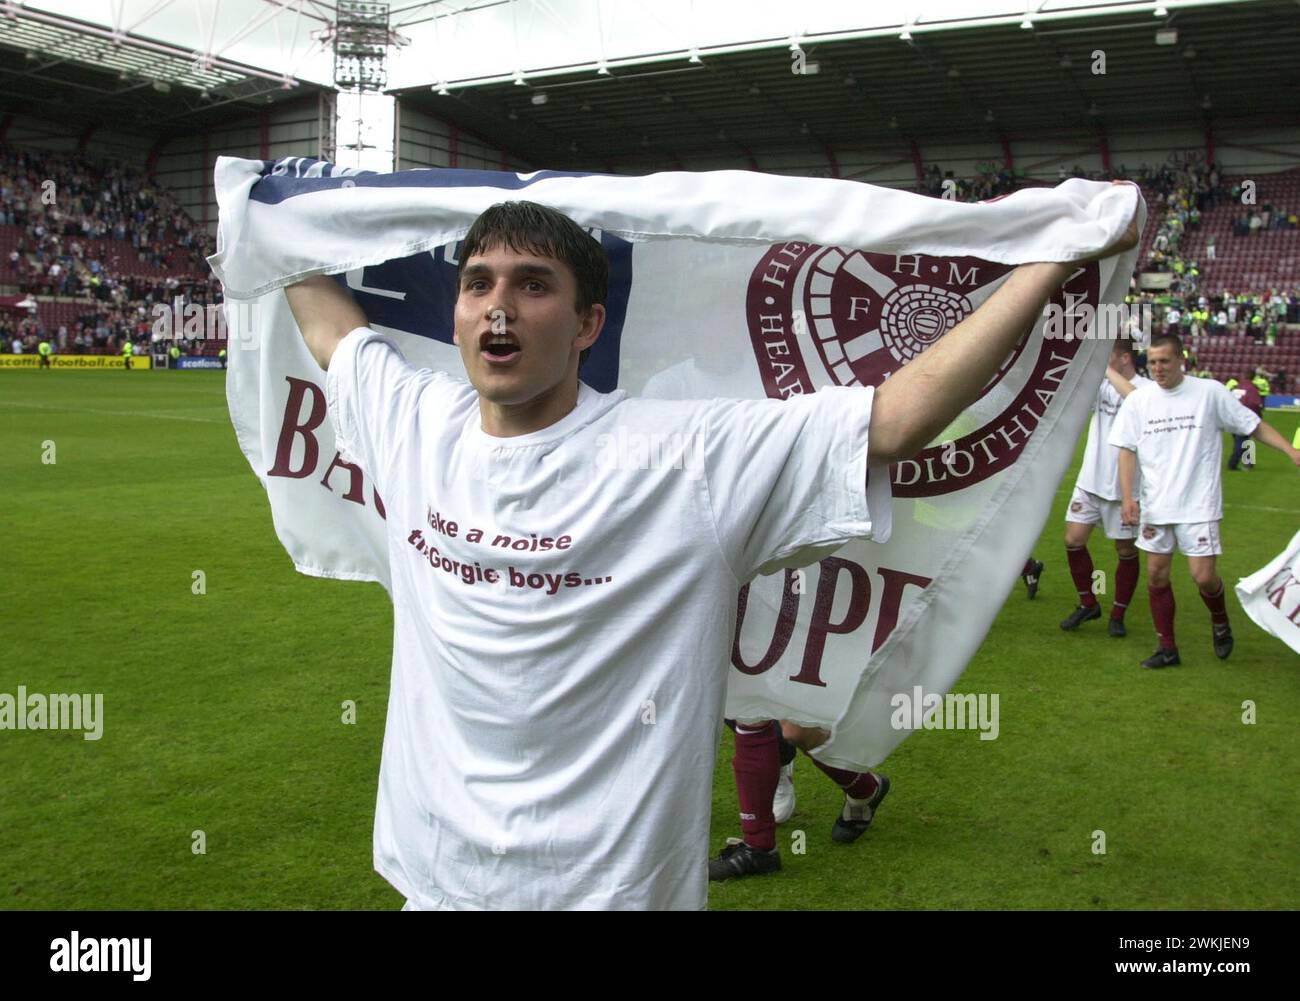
{"x": 1271, "y": 595}
{"x": 722, "y": 284}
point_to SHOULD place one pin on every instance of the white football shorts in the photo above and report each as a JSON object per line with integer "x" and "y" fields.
{"x": 1192, "y": 538}
{"x": 1089, "y": 509}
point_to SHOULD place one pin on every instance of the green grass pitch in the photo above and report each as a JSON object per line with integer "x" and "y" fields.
{"x": 223, "y": 710}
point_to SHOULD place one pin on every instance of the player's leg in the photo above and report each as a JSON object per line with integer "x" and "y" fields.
{"x": 1081, "y": 515}
{"x": 1201, "y": 544}
{"x": 1031, "y": 573}
{"x": 1238, "y": 446}
{"x": 783, "y": 801}
{"x": 863, "y": 791}
{"x": 1127, "y": 569}
{"x": 757, "y": 766}
{"x": 1158, "y": 543}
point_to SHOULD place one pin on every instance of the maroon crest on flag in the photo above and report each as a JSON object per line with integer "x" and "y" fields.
{"x": 828, "y": 316}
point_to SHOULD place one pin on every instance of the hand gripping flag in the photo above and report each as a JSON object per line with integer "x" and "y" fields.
{"x": 1271, "y": 595}
{"x": 722, "y": 284}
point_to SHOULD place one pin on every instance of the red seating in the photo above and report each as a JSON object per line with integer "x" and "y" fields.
{"x": 1269, "y": 258}
{"x": 53, "y": 314}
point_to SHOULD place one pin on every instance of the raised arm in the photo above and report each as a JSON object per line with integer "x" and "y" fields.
{"x": 325, "y": 314}
{"x": 924, "y": 396}
{"x": 1267, "y": 434}
{"x": 1122, "y": 385}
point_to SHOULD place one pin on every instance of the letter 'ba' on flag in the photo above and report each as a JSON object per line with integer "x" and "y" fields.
{"x": 1271, "y": 596}
{"x": 722, "y": 284}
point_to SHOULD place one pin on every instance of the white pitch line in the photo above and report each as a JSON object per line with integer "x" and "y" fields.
{"x": 114, "y": 413}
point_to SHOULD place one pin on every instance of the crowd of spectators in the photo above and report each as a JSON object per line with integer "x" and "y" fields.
{"x": 1257, "y": 315}
{"x": 86, "y": 232}
{"x": 1185, "y": 191}
{"x": 1254, "y": 221}
{"x": 1182, "y": 190}
{"x": 990, "y": 182}
{"x": 1182, "y": 193}
{"x": 82, "y": 224}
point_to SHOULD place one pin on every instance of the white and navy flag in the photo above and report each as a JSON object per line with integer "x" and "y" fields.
{"x": 722, "y": 284}
{"x": 1271, "y": 595}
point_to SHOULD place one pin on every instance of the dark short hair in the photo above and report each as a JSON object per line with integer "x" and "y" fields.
{"x": 527, "y": 227}
{"x": 1173, "y": 339}
{"x": 1123, "y": 345}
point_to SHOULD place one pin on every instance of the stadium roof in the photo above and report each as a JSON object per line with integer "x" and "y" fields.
{"x": 982, "y": 78}
{"x": 631, "y": 80}
{"x": 73, "y": 71}
{"x": 494, "y": 42}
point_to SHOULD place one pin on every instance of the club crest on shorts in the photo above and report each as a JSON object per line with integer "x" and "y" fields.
{"x": 1148, "y": 532}
{"x": 826, "y": 316}
{"x": 1076, "y": 506}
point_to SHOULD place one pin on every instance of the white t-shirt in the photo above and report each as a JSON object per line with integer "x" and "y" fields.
{"x": 550, "y": 740}
{"x": 1177, "y": 436}
{"x": 1099, "y": 472}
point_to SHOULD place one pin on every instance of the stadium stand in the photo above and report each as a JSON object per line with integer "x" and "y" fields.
{"x": 1237, "y": 304}
{"x": 1237, "y": 307}
{"x": 98, "y": 249}
{"x": 113, "y": 245}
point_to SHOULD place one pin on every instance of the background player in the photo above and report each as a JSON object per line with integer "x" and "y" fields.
{"x": 761, "y": 762}
{"x": 1096, "y": 500}
{"x": 1172, "y": 428}
{"x": 1247, "y": 394}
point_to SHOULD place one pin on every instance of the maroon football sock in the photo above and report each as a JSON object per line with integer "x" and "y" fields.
{"x": 858, "y": 785}
{"x": 1081, "y": 573}
{"x": 1214, "y": 602}
{"x": 1126, "y": 582}
{"x": 1162, "y": 613}
{"x": 757, "y": 764}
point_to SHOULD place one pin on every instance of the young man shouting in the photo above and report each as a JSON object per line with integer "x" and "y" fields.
{"x": 563, "y": 622}
{"x": 1173, "y": 429}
